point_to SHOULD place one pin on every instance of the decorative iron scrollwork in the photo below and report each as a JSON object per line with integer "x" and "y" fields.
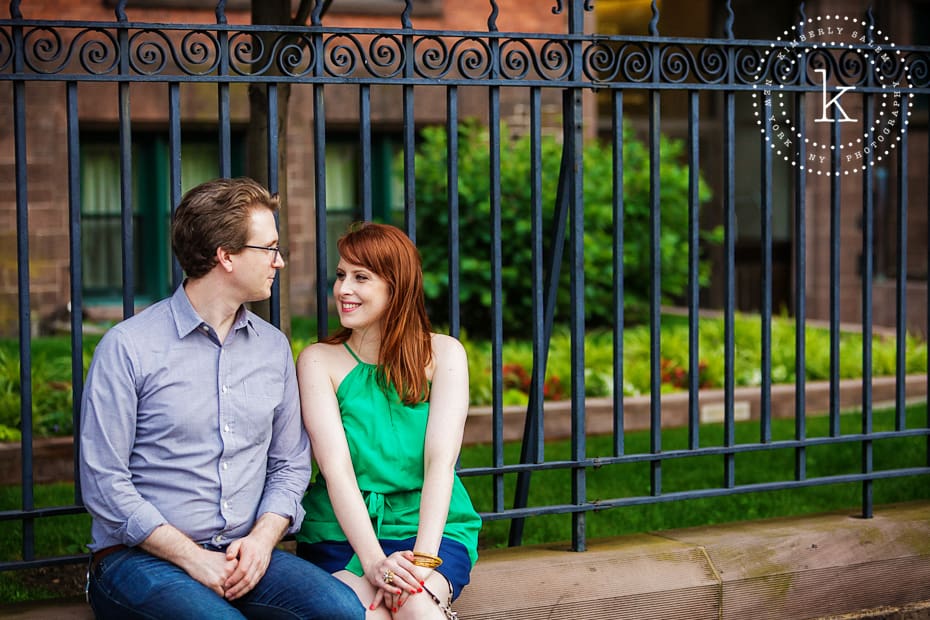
{"x": 463, "y": 57}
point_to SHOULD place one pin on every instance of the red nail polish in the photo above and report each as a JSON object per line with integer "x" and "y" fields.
{"x": 372, "y": 608}
{"x": 419, "y": 589}
{"x": 395, "y": 610}
{"x": 422, "y": 583}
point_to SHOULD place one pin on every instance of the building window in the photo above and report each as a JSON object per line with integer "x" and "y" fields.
{"x": 101, "y": 239}
{"x": 343, "y": 180}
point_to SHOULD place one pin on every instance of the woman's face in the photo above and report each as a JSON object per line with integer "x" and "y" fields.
{"x": 361, "y": 296}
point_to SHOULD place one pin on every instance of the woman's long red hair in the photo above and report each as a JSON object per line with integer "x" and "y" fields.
{"x": 406, "y": 345}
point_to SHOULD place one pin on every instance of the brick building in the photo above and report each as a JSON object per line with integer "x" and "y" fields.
{"x": 98, "y": 111}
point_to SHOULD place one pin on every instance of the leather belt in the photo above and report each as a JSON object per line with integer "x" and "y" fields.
{"x": 98, "y": 556}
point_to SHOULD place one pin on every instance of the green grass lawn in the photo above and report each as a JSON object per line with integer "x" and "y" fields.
{"x": 705, "y": 472}
{"x": 68, "y": 535}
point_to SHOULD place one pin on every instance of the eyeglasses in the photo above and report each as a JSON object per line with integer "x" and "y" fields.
{"x": 277, "y": 249}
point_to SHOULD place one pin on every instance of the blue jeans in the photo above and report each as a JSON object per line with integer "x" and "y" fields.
{"x": 131, "y": 583}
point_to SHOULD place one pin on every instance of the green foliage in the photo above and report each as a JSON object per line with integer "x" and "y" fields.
{"x": 517, "y": 264}
{"x": 51, "y": 387}
{"x": 598, "y": 351}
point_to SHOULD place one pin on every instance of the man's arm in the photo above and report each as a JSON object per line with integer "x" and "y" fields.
{"x": 108, "y": 432}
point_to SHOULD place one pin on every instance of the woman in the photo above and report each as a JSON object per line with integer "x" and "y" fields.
{"x": 384, "y": 401}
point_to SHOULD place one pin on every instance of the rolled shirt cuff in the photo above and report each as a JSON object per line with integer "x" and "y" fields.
{"x": 286, "y": 505}
{"x": 141, "y": 523}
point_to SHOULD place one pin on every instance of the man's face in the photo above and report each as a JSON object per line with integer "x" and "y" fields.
{"x": 256, "y": 267}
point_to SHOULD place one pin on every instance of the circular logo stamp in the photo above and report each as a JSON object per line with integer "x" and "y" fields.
{"x": 838, "y": 53}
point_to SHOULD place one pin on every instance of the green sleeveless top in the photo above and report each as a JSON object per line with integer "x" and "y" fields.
{"x": 386, "y": 441}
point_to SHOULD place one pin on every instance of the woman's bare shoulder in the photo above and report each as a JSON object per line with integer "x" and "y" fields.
{"x": 446, "y": 347}
{"x": 321, "y": 352}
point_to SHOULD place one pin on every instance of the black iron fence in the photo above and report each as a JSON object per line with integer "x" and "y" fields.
{"x": 716, "y": 79}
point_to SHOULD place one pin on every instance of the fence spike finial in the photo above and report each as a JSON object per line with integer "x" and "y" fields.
{"x": 728, "y": 28}
{"x": 405, "y": 16}
{"x": 15, "y": 13}
{"x": 221, "y": 12}
{"x": 557, "y": 9}
{"x": 802, "y": 13}
{"x": 870, "y": 20}
{"x": 492, "y": 19}
{"x": 121, "y": 11}
{"x": 654, "y": 22}
{"x": 316, "y": 16}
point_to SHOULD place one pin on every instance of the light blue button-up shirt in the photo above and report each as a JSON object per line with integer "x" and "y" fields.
{"x": 179, "y": 428}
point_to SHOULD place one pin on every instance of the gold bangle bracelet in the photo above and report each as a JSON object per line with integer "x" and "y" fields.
{"x": 426, "y": 560}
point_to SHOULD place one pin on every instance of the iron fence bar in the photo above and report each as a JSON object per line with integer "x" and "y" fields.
{"x": 800, "y": 292}
{"x": 410, "y": 199}
{"x": 126, "y": 197}
{"x": 901, "y": 282}
{"x": 868, "y": 222}
{"x": 530, "y": 425}
{"x": 174, "y": 167}
{"x": 655, "y": 292}
{"x": 272, "y": 138}
{"x": 729, "y": 241}
{"x": 452, "y": 198}
{"x": 619, "y": 432}
{"x": 765, "y": 397}
{"x": 23, "y": 300}
{"x": 834, "y": 303}
{"x": 319, "y": 211}
{"x": 693, "y": 286}
{"x": 535, "y": 409}
{"x": 420, "y": 81}
{"x": 225, "y": 138}
{"x": 760, "y": 487}
{"x": 496, "y": 282}
{"x": 39, "y": 563}
{"x": 709, "y": 451}
{"x": 364, "y": 139}
{"x": 575, "y": 144}
{"x": 75, "y": 271}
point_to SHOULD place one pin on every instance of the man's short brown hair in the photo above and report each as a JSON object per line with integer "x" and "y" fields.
{"x": 215, "y": 215}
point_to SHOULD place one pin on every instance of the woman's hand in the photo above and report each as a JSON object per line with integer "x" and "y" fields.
{"x": 395, "y": 578}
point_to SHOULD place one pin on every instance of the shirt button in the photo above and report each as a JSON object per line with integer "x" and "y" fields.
{"x": 218, "y": 539}
{"x": 226, "y": 428}
{"x": 225, "y": 389}
{"x": 225, "y": 504}
{"x": 225, "y": 465}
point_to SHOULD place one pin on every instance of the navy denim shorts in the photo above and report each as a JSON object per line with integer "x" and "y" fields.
{"x": 333, "y": 556}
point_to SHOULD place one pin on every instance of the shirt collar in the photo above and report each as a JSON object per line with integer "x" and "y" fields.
{"x": 187, "y": 320}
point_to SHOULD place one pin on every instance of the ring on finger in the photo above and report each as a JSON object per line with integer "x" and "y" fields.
{"x": 388, "y": 577}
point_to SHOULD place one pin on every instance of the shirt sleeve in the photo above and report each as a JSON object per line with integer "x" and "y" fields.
{"x": 288, "y": 469}
{"x": 108, "y": 429}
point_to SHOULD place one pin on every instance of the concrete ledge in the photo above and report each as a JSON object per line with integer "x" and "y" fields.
{"x": 823, "y": 566}
{"x": 789, "y": 568}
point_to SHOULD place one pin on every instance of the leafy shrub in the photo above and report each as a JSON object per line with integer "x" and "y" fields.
{"x": 517, "y": 264}
{"x": 674, "y": 369}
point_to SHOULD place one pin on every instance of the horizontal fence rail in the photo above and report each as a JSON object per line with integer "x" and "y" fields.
{"x": 550, "y": 74}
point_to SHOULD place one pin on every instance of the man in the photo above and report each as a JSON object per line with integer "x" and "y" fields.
{"x": 193, "y": 456}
